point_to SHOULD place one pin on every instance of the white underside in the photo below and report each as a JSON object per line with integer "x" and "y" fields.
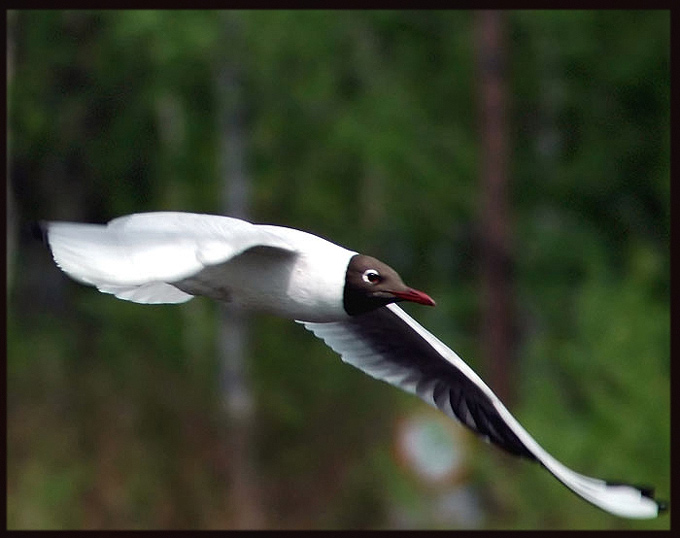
{"x": 261, "y": 267}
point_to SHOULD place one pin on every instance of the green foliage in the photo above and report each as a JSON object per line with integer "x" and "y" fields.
{"x": 361, "y": 127}
{"x": 589, "y": 385}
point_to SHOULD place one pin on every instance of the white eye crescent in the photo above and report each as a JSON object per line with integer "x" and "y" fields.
{"x": 371, "y": 276}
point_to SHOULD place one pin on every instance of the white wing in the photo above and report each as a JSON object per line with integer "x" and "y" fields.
{"x": 390, "y": 345}
{"x": 136, "y": 257}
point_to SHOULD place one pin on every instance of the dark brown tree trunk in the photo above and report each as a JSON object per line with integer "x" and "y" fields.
{"x": 496, "y": 260}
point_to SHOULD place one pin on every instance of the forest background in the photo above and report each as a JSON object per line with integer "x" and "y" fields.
{"x": 373, "y": 129}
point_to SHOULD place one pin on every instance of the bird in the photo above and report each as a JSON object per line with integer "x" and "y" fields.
{"x": 345, "y": 298}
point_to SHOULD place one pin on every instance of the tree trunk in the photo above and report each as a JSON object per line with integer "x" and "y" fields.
{"x": 496, "y": 261}
{"x": 244, "y": 494}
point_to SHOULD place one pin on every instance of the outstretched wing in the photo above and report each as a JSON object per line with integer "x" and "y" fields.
{"x": 390, "y": 345}
{"x": 138, "y": 256}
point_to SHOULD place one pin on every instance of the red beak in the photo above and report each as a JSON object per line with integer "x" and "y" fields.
{"x": 415, "y": 296}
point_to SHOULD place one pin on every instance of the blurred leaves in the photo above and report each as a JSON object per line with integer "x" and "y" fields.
{"x": 362, "y": 128}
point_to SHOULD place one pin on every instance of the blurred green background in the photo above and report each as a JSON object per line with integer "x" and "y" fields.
{"x": 363, "y": 127}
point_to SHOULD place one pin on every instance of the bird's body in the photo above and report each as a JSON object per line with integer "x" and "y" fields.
{"x": 170, "y": 257}
{"x": 345, "y": 298}
{"x": 275, "y": 280}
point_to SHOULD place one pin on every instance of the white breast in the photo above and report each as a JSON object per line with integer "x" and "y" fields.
{"x": 315, "y": 280}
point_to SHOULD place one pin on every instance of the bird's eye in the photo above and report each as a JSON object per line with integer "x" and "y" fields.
{"x": 371, "y": 276}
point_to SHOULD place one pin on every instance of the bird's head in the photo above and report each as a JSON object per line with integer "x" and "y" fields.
{"x": 370, "y": 284}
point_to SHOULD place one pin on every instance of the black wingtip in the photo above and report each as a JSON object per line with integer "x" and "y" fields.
{"x": 662, "y": 505}
{"x": 38, "y": 230}
{"x": 646, "y": 491}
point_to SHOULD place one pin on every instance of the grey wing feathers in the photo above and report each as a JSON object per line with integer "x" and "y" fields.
{"x": 138, "y": 256}
{"x": 390, "y": 345}
{"x": 380, "y": 344}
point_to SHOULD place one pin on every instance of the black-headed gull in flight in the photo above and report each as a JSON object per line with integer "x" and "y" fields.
{"x": 345, "y": 298}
